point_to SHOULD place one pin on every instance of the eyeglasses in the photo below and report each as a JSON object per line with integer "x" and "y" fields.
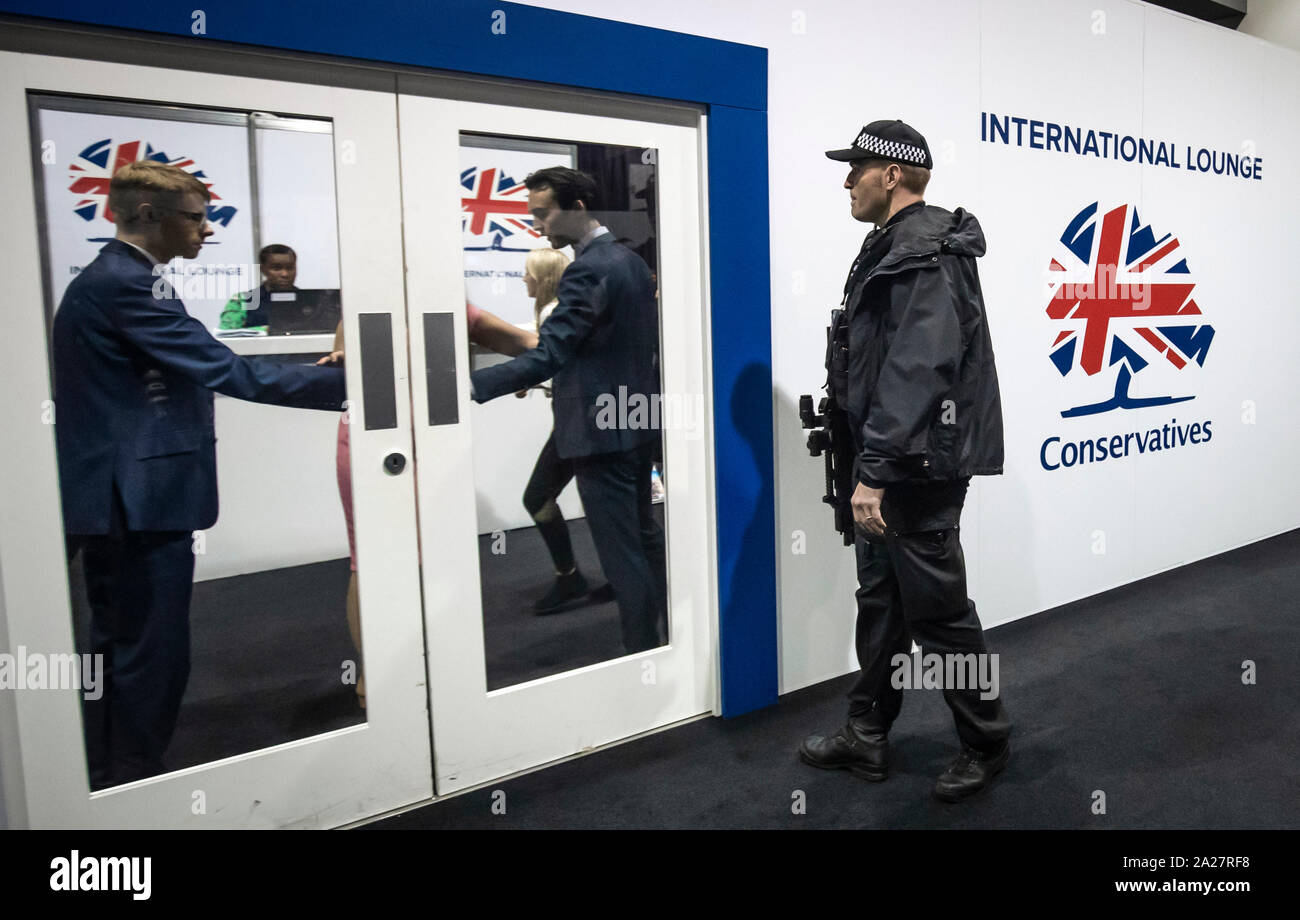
{"x": 197, "y": 217}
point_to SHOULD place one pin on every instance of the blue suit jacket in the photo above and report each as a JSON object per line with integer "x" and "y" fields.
{"x": 602, "y": 338}
{"x": 133, "y": 381}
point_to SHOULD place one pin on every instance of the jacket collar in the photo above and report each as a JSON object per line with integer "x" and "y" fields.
{"x": 919, "y": 237}
{"x": 904, "y": 213}
{"x": 135, "y": 252}
{"x": 931, "y": 231}
{"x": 599, "y": 235}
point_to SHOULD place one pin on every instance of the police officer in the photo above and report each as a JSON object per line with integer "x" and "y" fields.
{"x": 912, "y": 366}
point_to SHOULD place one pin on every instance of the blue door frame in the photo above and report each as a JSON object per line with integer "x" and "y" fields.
{"x": 529, "y": 43}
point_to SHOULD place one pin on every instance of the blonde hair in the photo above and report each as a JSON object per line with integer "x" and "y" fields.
{"x": 546, "y": 265}
{"x": 137, "y": 181}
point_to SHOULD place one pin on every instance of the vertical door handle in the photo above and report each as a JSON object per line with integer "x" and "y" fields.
{"x": 440, "y": 368}
{"x": 378, "y": 385}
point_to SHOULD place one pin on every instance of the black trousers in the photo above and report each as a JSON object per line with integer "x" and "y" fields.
{"x": 912, "y": 586}
{"x": 550, "y": 475}
{"x": 615, "y": 491}
{"x": 138, "y": 587}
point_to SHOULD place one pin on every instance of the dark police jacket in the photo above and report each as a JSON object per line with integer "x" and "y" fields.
{"x": 133, "y": 381}
{"x": 600, "y": 345}
{"x": 915, "y": 361}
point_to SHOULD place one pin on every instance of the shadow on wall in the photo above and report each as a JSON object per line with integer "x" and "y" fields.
{"x": 818, "y": 572}
{"x": 752, "y": 575}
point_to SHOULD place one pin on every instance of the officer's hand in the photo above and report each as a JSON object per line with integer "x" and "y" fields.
{"x": 866, "y": 509}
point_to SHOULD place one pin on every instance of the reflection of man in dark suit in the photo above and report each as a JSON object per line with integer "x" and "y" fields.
{"x": 600, "y": 346}
{"x": 133, "y": 381}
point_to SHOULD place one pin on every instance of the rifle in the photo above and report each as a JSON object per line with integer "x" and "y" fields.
{"x": 829, "y": 435}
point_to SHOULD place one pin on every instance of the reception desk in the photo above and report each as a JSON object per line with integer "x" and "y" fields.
{"x": 275, "y": 475}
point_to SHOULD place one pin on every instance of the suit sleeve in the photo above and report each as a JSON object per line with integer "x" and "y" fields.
{"x": 583, "y": 302}
{"x": 161, "y": 329}
{"x": 920, "y": 366}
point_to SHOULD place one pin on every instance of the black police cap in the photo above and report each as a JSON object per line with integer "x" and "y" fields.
{"x": 890, "y": 140}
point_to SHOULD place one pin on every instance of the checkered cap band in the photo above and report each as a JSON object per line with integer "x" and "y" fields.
{"x": 893, "y": 150}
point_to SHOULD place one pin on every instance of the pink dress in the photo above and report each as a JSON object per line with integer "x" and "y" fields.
{"x": 472, "y": 316}
{"x": 343, "y": 466}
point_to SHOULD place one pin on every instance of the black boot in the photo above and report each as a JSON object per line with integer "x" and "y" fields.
{"x": 971, "y": 772}
{"x": 566, "y": 588}
{"x": 861, "y": 749}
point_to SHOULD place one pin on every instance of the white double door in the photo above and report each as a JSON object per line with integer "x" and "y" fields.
{"x": 432, "y": 725}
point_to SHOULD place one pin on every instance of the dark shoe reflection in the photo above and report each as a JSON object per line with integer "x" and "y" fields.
{"x": 566, "y": 588}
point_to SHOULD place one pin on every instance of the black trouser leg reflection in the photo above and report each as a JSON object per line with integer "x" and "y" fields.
{"x": 550, "y": 476}
{"x": 615, "y": 490}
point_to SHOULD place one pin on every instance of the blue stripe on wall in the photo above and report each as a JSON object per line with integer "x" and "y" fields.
{"x": 742, "y": 405}
{"x": 472, "y": 36}
{"x": 528, "y": 43}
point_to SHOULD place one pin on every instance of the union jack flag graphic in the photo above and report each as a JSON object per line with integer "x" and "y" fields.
{"x": 496, "y": 203}
{"x": 94, "y": 167}
{"x": 1122, "y": 291}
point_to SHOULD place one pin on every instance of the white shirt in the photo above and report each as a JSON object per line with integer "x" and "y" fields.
{"x": 148, "y": 255}
{"x": 591, "y": 235}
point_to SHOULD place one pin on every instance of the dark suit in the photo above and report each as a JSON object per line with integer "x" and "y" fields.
{"x": 133, "y": 381}
{"x": 600, "y": 346}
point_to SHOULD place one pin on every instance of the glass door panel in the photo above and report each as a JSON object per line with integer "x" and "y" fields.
{"x": 578, "y": 496}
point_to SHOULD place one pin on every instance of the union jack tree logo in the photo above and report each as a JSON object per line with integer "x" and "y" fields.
{"x": 495, "y": 203}
{"x": 1122, "y": 293}
{"x": 94, "y": 167}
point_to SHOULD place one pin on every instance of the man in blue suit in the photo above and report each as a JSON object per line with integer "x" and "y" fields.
{"x": 600, "y": 348}
{"x": 133, "y": 381}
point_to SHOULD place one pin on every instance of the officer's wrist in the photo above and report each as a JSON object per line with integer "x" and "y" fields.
{"x": 869, "y": 482}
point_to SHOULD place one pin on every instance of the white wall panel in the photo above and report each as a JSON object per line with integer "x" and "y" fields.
{"x": 1046, "y": 537}
{"x": 1193, "y": 503}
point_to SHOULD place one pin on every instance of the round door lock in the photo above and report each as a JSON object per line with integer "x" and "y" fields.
{"x": 394, "y": 464}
